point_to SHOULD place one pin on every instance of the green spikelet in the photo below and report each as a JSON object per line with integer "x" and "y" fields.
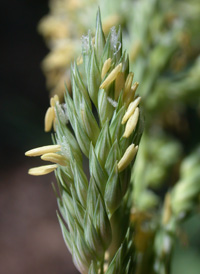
{"x": 94, "y": 214}
{"x": 95, "y": 113}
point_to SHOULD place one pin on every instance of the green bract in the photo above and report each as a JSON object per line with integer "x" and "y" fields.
{"x": 94, "y": 212}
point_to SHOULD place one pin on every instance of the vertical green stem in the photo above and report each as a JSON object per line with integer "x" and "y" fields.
{"x": 102, "y": 265}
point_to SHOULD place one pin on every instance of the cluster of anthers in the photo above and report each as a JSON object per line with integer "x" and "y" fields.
{"x": 53, "y": 153}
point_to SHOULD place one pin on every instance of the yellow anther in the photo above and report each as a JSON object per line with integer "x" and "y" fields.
{"x": 119, "y": 84}
{"x": 42, "y": 170}
{"x": 128, "y": 83}
{"x": 54, "y": 158}
{"x": 111, "y": 77}
{"x": 49, "y": 119}
{"x": 127, "y": 157}
{"x": 53, "y": 100}
{"x": 131, "y": 109}
{"x": 131, "y": 124}
{"x": 134, "y": 87}
{"x": 130, "y": 96}
{"x": 42, "y": 150}
{"x": 106, "y": 67}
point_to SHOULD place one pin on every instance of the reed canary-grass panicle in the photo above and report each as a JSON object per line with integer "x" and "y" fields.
{"x": 164, "y": 51}
{"x": 97, "y": 121}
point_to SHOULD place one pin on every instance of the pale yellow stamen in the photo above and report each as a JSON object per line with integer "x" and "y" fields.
{"x": 131, "y": 110}
{"x": 119, "y": 84}
{"x": 111, "y": 77}
{"x": 42, "y": 170}
{"x": 42, "y": 150}
{"x": 49, "y": 119}
{"x": 131, "y": 124}
{"x": 106, "y": 67}
{"x": 54, "y": 123}
{"x": 134, "y": 87}
{"x": 54, "y": 158}
{"x": 53, "y": 100}
{"x": 127, "y": 157}
{"x": 128, "y": 83}
{"x": 130, "y": 96}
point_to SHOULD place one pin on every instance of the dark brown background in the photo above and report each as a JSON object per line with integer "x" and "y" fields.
{"x": 30, "y": 236}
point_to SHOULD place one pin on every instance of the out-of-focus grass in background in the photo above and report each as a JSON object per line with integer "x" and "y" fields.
{"x": 30, "y": 237}
{"x": 186, "y": 256}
